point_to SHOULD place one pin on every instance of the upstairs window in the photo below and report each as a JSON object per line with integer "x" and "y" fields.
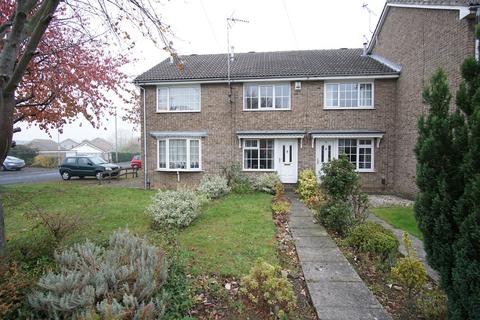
{"x": 349, "y": 95}
{"x": 267, "y": 96}
{"x": 178, "y": 99}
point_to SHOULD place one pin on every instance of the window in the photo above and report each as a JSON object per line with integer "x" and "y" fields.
{"x": 358, "y": 151}
{"x": 178, "y": 99}
{"x": 178, "y": 154}
{"x": 258, "y": 154}
{"x": 349, "y": 95}
{"x": 83, "y": 162}
{"x": 267, "y": 96}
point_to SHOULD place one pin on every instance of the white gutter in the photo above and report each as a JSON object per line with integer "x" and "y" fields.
{"x": 381, "y": 76}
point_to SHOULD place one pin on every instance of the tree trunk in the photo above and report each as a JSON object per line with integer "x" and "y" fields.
{"x": 7, "y": 103}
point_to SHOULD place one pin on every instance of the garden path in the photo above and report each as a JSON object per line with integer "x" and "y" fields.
{"x": 336, "y": 290}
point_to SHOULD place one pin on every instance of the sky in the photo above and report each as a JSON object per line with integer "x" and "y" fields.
{"x": 199, "y": 26}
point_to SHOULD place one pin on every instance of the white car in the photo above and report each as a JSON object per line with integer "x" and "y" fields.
{"x": 12, "y": 163}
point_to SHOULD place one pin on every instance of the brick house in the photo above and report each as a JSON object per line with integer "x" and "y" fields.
{"x": 286, "y": 111}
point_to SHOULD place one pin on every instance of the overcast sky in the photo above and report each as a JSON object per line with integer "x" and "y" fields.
{"x": 274, "y": 25}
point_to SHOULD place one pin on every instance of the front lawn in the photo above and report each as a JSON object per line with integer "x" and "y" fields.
{"x": 226, "y": 239}
{"x": 401, "y": 218}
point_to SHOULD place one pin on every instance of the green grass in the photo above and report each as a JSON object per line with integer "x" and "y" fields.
{"x": 400, "y": 218}
{"x": 227, "y": 238}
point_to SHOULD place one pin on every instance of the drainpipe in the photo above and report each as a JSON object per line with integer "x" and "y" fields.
{"x": 145, "y": 166}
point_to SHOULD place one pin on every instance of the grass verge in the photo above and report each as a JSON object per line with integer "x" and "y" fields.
{"x": 401, "y": 218}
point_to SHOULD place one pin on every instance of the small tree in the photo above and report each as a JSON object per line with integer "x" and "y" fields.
{"x": 447, "y": 208}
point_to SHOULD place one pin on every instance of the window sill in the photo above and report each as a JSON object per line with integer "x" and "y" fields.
{"x": 264, "y": 110}
{"x": 259, "y": 170}
{"x": 178, "y": 170}
{"x": 348, "y": 108}
{"x": 180, "y": 111}
{"x": 365, "y": 171}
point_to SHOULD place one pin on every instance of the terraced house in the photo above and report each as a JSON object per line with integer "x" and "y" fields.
{"x": 291, "y": 110}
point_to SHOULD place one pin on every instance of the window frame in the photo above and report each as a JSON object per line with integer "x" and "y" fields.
{"x": 358, "y": 107}
{"x": 258, "y": 149}
{"x": 188, "y": 160}
{"x": 266, "y": 84}
{"x": 168, "y": 110}
{"x": 370, "y": 146}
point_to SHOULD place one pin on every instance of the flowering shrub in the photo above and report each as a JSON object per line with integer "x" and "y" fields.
{"x": 266, "y": 182}
{"x": 280, "y": 207}
{"x": 307, "y": 185}
{"x": 214, "y": 186}
{"x": 266, "y": 286}
{"x": 174, "y": 208}
{"x": 122, "y": 281}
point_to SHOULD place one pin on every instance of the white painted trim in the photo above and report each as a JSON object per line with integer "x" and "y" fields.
{"x": 325, "y": 107}
{"x": 273, "y": 96}
{"x": 463, "y": 11}
{"x": 201, "y": 81}
{"x": 242, "y": 143}
{"x": 386, "y": 62}
{"x": 179, "y": 85}
{"x": 347, "y": 135}
{"x": 266, "y": 136}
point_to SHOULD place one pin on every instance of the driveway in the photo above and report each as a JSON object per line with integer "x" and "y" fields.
{"x": 29, "y": 175}
{"x": 35, "y": 175}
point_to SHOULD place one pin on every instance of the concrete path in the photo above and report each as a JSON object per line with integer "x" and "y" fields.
{"x": 337, "y": 291}
{"x": 416, "y": 243}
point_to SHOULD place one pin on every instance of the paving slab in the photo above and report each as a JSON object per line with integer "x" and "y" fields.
{"x": 337, "y": 291}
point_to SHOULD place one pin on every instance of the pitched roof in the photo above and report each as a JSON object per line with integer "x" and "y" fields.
{"x": 279, "y": 64}
{"x": 102, "y": 144}
{"x": 44, "y": 145}
{"x": 437, "y": 2}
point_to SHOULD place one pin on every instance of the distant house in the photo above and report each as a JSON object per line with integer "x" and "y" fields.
{"x": 46, "y": 147}
{"x": 96, "y": 148}
{"x": 68, "y": 144}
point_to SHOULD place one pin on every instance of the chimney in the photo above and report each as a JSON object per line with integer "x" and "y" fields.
{"x": 171, "y": 59}
{"x": 232, "y": 54}
{"x": 365, "y": 46}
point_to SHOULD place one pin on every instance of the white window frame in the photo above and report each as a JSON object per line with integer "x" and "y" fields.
{"x": 167, "y": 155}
{"x": 263, "y": 84}
{"x": 258, "y": 148}
{"x": 371, "y": 147}
{"x": 195, "y": 86}
{"x": 327, "y": 107}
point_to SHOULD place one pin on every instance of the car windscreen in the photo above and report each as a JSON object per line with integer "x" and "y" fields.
{"x": 97, "y": 160}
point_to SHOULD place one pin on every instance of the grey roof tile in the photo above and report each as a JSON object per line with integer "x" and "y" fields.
{"x": 437, "y": 2}
{"x": 280, "y": 64}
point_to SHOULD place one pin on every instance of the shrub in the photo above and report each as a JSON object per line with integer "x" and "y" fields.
{"x": 307, "y": 185}
{"x": 335, "y": 216}
{"x": 433, "y": 305}
{"x": 23, "y": 152}
{"x": 374, "y": 239}
{"x": 58, "y": 225}
{"x": 266, "y": 286}
{"x": 13, "y": 284}
{"x": 280, "y": 207}
{"x": 339, "y": 179}
{"x": 236, "y": 179}
{"x": 174, "y": 208}
{"x": 214, "y": 186}
{"x": 266, "y": 182}
{"x": 410, "y": 273}
{"x": 45, "y": 162}
{"x": 123, "y": 280}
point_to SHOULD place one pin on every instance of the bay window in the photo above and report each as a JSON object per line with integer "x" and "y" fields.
{"x": 178, "y": 154}
{"x": 258, "y": 154}
{"x": 178, "y": 98}
{"x": 266, "y": 96}
{"x": 348, "y": 95}
{"x": 359, "y": 152}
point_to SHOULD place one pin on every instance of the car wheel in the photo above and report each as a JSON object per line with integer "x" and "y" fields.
{"x": 99, "y": 175}
{"x": 66, "y": 175}
{"x": 81, "y": 177}
{"x": 4, "y": 168}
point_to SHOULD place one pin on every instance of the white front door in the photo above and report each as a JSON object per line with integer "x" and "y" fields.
{"x": 286, "y": 155}
{"x": 326, "y": 150}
